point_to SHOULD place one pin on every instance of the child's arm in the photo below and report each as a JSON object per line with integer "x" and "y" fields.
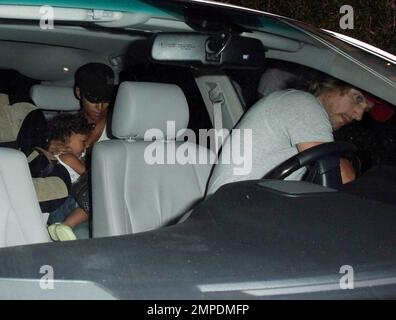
{"x": 57, "y": 147}
{"x": 72, "y": 161}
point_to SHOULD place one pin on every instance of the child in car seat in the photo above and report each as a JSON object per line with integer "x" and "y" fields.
{"x": 74, "y": 131}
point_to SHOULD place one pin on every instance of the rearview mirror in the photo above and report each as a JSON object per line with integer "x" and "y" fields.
{"x": 209, "y": 50}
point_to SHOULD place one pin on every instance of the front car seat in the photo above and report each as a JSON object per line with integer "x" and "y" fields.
{"x": 21, "y": 221}
{"x": 129, "y": 194}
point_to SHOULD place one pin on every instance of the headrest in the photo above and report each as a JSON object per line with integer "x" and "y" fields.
{"x": 274, "y": 79}
{"x": 54, "y": 97}
{"x": 141, "y": 106}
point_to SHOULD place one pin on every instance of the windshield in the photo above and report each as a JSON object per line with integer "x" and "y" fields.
{"x": 381, "y": 63}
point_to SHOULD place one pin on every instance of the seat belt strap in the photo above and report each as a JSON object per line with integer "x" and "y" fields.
{"x": 218, "y": 125}
{"x": 218, "y": 115}
{"x": 217, "y": 99}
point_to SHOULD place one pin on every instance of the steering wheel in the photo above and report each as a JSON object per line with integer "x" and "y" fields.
{"x": 322, "y": 161}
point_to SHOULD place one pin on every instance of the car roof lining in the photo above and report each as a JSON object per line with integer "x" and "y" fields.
{"x": 65, "y": 46}
{"x": 76, "y": 45}
{"x": 71, "y": 42}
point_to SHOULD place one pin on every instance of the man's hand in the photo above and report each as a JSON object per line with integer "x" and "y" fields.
{"x": 348, "y": 173}
{"x": 58, "y": 147}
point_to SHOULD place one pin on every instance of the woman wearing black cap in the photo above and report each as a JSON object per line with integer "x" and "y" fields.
{"x": 94, "y": 87}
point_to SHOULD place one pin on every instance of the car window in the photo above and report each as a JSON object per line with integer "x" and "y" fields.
{"x": 370, "y": 55}
{"x": 381, "y": 62}
{"x": 16, "y": 86}
{"x": 245, "y": 84}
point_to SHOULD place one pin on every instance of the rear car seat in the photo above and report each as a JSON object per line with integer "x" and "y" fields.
{"x": 7, "y": 136}
{"x": 4, "y": 100}
{"x": 22, "y": 125}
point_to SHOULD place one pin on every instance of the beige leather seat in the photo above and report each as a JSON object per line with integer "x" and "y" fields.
{"x": 4, "y": 99}
{"x": 129, "y": 194}
{"x": 21, "y": 221}
{"x": 11, "y": 118}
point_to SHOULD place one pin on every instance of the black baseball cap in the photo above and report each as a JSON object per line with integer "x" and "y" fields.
{"x": 96, "y": 82}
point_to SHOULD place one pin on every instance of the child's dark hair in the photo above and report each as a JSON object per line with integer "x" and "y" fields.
{"x": 64, "y": 124}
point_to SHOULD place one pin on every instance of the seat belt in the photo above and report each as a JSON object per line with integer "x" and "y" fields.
{"x": 217, "y": 99}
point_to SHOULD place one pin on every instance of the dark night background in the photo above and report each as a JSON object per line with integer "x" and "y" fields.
{"x": 374, "y": 20}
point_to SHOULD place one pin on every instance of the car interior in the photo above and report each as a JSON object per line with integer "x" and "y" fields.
{"x": 157, "y": 83}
